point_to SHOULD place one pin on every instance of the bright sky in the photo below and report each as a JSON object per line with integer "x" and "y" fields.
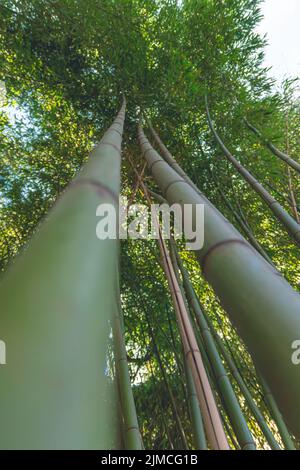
{"x": 282, "y": 24}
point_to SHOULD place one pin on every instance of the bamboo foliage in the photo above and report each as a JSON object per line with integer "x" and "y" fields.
{"x": 289, "y": 222}
{"x": 260, "y": 303}
{"x": 58, "y": 300}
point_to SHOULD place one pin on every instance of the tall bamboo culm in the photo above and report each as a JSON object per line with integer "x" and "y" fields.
{"x": 261, "y": 304}
{"x": 232, "y": 406}
{"x": 283, "y": 156}
{"x": 132, "y": 436}
{"x": 57, "y": 304}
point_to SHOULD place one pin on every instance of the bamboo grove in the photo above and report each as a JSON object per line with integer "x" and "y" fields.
{"x": 142, "y": 344}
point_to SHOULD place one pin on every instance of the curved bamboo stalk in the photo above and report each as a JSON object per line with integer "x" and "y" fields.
{"x": 57, "y": 303}
{"x": 289, "y": 222}
{"x": 262, "y": 305}
{"x": 231, "y": 403}
{"x": 283, "y": 156}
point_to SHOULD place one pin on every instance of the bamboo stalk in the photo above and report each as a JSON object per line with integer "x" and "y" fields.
{"x": 244, "y": 227}
{"x": 259, "y": 301}
{"x": 289, "y": 222}
{"x": 171, "y": 397}
{"x": 213, "y": 424}
{"x": 196, "y": 416}
{"x": 57, "y": 303}
{"x": 289, "y": 174}
{"x": 231, "y": 403}
{"x": 199, "y": 434}
{"x": 276, "y": 415}
{"x": 200, "y": 315}
{"x": 283, "y": 156}
{"x": 132, "y": 436}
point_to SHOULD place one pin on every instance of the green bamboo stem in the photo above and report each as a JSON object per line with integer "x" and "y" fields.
{"x": 57, "y": 303}
{"x": 169, "y": 391}
{"x": 289, "y": 222}
{"x": 197, "y": 423}
{"x": 200, "y": 341}
{"x": 234, "y": 411}
{"x": 168, "y": 157}
{"x": 154, "y": 381}
{"x": 200, "y": 316}
{"x": 132, "y": 436}
{"x": 244, "y": 389}
{"x": 283, "y": 156}
{"x": 161, "y": 365}
{"x": 259, "y": 301}
{"x": 283, "y": 431}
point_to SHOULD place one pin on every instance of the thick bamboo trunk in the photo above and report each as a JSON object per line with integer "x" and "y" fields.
{"x": 291, "y": 225}
{"x": 283, "y": 156}
{"x": 57, "y": 303}
{"x": 262, "y": 305}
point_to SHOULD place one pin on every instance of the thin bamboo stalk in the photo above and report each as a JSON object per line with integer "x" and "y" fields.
{"x": 289, "y": 222}
{"x": 289, "y": 174}
{"x": 154, "y": 380}
{"x": 292, "y": 197}
{"x": 57, "y": 303}
{"x": 199, "y": 434}
{"x": 232, "y": 406}
{"x": 132, "y": 436}
{"x": 283, "y": 156}
{"x": 259, "y": 301}
{"x": 172, "y": 399}
{"x": 196, "y": 416}
{"x": 276, "y": 415}
{"x": 244, "y": 227}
